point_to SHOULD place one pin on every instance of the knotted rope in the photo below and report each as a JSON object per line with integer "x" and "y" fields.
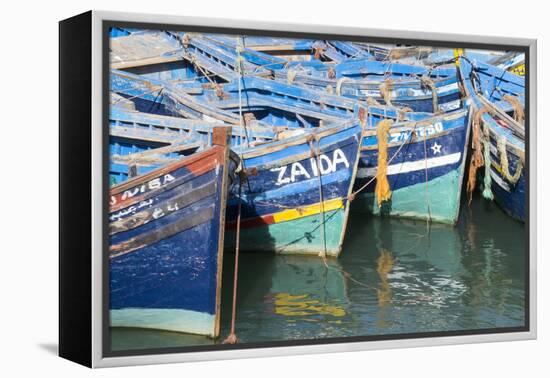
{"x": 519, "y": 113}
{"x": 385, "y": 89}
{"x": 427, "y": 82}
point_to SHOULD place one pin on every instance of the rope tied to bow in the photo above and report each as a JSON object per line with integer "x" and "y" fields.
{"x": 504, "y": 165}
{"x": 519, "y": 113}
{"x": 427, "y": 82}
{"x": 477, "y": 157}
{"x": 232, "y": 337}
{"x": 371, "y": 101}
{"x": 385, "y": 90}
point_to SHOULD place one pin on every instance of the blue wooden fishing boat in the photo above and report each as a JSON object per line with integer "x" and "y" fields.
{"x": 295, "y": 196}
{"x": 497, "y": 98}
{"x": 513, "y": 62}
{"x": 389, "y": 52}
{"x": 145, "y": 48}
{"x": 419, "y": 88}
{"x": 423, "y": 89}
{"x": 424, "y": 166}
{"x": 166, "y": 235}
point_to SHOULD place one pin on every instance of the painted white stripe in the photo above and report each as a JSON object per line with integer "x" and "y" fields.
{"x": 412, "y": 166}
{"x": 496, "y": 178}
{"x": 451, "y": 105}
{"x": 412, "y": 92}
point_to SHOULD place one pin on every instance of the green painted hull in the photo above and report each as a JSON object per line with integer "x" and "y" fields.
{"x": 301, "y": 236}
{"x": 442, "y": 194}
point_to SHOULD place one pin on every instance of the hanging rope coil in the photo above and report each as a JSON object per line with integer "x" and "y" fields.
{"x": 504, "y": 165}
{"x": 402, "y": 112}
{"x": 427, "y": 82}
{"x": 519, "y": 113}
{"x": 352, "y": 195}
{"x": 371, "y": 101}
{"x": 382, "y": 190}
{"x": 385, "y": 91}
{"x": 477, "y": 157}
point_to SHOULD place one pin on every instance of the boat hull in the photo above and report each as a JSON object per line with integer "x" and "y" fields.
{"x": 282, "y": 209}
{"x": 166, "y": 243}
{"x": 425, "y": 175}
{"x": 506, "y": 134}
{"x": 509, "y": 196}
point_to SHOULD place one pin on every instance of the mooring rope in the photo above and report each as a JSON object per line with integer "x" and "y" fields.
{"x": 427, "y": 194}
{"x": 232, "y": 338}
{"x": 315, "y": 153}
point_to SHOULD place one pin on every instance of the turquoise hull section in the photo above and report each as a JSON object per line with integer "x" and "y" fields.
{"x": 438, "y": 201}
{"x": 303, "y": 236}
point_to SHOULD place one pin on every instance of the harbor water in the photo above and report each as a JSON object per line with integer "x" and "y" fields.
{"x": 393, "y": 277}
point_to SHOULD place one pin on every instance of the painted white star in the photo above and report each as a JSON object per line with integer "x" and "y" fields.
{"x": 436, "y": 148}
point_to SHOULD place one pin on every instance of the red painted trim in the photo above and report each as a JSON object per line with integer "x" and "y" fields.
{"x": 264, "y": 220}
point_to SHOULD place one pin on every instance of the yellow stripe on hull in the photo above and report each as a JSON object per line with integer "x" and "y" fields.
{"x": 291, "y": 214}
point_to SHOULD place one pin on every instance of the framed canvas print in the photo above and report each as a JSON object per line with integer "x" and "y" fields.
{"x": 232, "y": 189}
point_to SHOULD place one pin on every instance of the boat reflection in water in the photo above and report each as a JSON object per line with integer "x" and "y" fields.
{"x": 393, "y": 277}
{"x": 438, "y": 278}
{"x": 293, "y": 297}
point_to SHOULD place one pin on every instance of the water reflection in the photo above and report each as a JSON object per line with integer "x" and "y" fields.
{"x": 393, "y": 276}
